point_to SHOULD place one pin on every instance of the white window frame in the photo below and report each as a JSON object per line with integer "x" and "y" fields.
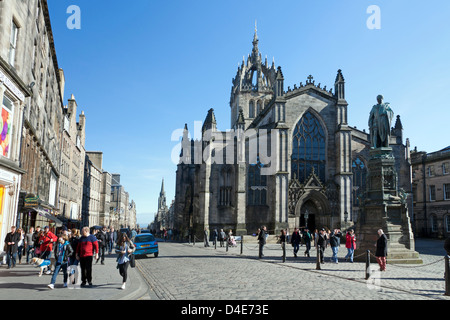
{"x": 430, "y": 187}
{"x": 446, "y": 188}
{"x": 13, "y": 43}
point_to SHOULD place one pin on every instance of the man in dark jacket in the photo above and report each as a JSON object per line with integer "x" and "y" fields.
{"x": 11, "y": 242}
{"x": 322, "y": 244}
{"x": 262, "y": 240}
{"x": 102, "y": 238}
{"x": 296, "y": 238}
{"x": 335, "y": 242}
{"x": 112, "y": 239}
{"x": 307, "y": 239}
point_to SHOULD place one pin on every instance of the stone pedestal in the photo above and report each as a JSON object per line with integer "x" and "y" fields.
{"x": 384, "y": 207}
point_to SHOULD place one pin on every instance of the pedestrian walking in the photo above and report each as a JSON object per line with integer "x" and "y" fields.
{"x": 102, "y": 239}
{"x": 335, "y": 242}
{"x": 381, "y": 252}
{"x": 350, "y": 244}
{"x": 222, "y": 237}
{"x": 307, "y": 238}
{"x": 215, "y": 236}
{"x": 20, "y": 244}
{"x": 62, "y": 252}
{"x": 322, "y": 244}
{"x": 316, "y": 237}
{"x": 46, "y": 240}
{"x": 74, "y": 268}
{"x": 11, "y": 245}
{"x": 112, "y": 239}
{"x": 125, "y": 248}
{"x": 36, "y": 236}
{"x": 86, "y": 249}
{"x": 295, "y": 241}
{"x": 206, "y": 237}
{"x": 283, "y": 237}
{"x": 262, "y": 240}
{"x": 29, "y": 245}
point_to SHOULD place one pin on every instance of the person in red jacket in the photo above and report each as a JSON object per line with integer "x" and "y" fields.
{"x": 350, "y": 244}
{"x": 86, "y": 248}
{"x": 46, "y": 241}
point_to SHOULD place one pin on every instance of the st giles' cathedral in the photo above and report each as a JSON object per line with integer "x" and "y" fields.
{"x": 289, "y": 160}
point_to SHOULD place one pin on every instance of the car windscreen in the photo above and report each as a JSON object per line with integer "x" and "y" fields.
{"x": 144, "y": 238}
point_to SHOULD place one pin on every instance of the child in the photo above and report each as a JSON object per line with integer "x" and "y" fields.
{"x": 63, "y": 250}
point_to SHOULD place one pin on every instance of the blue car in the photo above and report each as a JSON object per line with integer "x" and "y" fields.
{"x": 145, "y": 244}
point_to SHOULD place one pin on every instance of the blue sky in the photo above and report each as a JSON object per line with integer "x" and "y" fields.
{"x": 142, "y": 69}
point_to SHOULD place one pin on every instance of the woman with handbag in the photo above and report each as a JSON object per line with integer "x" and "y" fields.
{"x": 125, "y": 248}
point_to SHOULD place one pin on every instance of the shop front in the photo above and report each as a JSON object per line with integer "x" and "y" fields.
{"x": 34, "y": 212}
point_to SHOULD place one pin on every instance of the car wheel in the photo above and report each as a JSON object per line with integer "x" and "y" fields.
{"x": 156, "y": 254}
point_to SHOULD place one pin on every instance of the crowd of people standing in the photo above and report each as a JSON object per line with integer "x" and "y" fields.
{"x": 74, "y": 251}
{"x": 323, "y": 238}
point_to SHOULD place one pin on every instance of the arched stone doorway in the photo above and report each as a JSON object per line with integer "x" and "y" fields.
{"x": 308, "y": 214}
{"x": 317, "y": 206}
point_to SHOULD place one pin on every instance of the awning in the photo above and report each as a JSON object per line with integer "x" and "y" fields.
{"x": 48, "y": 216}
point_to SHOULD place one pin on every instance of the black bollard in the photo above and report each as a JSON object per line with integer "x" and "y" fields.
{"x": 242, "y": 244}
{"x": 447, "y": 276}
{"x": 227, "y": 245}
{"x": 368, "y": 264}
{"x": 215, "y": 242}
{"x": 284, "y": 251}
{"x": 318, "y": 259}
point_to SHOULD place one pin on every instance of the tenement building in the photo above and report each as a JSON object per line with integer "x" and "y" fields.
{"x": 93, "y": 174}
{"x": 122, "y": 210}
{"x": 289, "y": 160}
{"x": 34, "y": 97}
{"x": 15, "y": 94}
{"x": 431, "y": 192}
{"x": 72, "y": 165}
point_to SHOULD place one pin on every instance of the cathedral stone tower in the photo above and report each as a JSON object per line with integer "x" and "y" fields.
{"x": 252, "y": 87}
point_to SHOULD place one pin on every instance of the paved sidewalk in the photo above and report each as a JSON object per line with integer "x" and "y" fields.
{"x": 23, "y": 283}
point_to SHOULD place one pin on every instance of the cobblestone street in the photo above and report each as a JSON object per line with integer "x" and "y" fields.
{"x": 184, "y": 271}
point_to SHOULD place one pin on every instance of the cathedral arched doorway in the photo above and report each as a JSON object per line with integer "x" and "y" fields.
{"x": 308, "y": 214}
{"x": 314, "y": 206}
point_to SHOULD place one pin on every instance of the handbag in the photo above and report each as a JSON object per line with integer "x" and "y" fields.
{"x": 132, "y": 261}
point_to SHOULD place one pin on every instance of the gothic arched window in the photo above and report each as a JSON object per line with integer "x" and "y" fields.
{"x": 257, "y": 185}
{"x": 251, "y": 109}
{"x": 226, "y": 187}
{"x": 359, "y": 170}
{"x": 308, "y": 148}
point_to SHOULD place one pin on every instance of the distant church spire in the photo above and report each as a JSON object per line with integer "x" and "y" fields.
{"x": 162, "y": 198}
